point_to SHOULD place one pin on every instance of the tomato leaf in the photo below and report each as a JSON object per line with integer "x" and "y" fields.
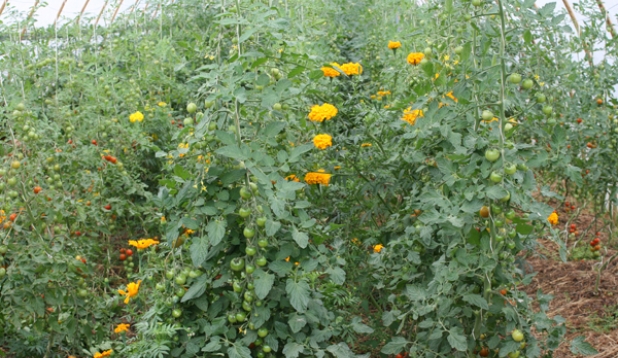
{"x": 297, "y": 323}
{"x": 359, "y": 327}
{"x": 457, "y": 339}
{"x": 216, "y": 231}
{"x": 238, "y": 351}
{"x": 263, "y": 283}
{"x": 341, "y": 350}
{"x": 395, "y": 346}
{"x": 292, "y": 350}
{"x": 196, "y": 290}
{"x": 199, "y": 250}
{"x": 298, "y": 293}
{"x": 301, "y": 238}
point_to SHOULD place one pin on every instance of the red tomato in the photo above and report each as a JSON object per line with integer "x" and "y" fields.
{"x": 94, "y": 142}
{"x": 123, "y": 250}
{"x": 129, "y": 252}
{"x": 123, "y": 257}
{"x": 13, "y": 217}
{"x": 108, "y": 207}
{"x": 37, "y": 189}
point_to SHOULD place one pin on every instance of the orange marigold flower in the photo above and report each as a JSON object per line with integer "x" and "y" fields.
{"x": 318, "y": 178}
{"x": 393, "y": 45}
{"x": 553, "y": 218}
{"x": 132, "y": 290}
{"x": 414, "y": 58}
{"x": 451, "y": 96}
{"x": 331, "y": 71}
{"x": 322, "y": 141}
{"x": 292, "y": 177}
{"x": 377, "y": 248}
{"x": 383, "y": 93}
{"x": 123, "y": 327}
{"x": 352, "y": 68}
{"x": 410, "y": 115}
{"x": 143, "y": 243}
{"x": 323, "y": 112}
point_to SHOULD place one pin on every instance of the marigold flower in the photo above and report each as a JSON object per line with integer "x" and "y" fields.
{"x": 123, "y": 327}
{"x": 132, "y": 290}
{"x": 317, "y": 178}
{"x": 189, "y": 232}
{"x": 377, "y": 248}
{"x": 414, "y": 58}
{"x": 144, "y": 243}
{"x": 383, "y": 93}
{"x": 292, "y": 177}
{"x": 352, "y": 68}
{"x": 323, "y": 112}
{"x": 162, "y": 104}
{"x": 393, "y": 45}
{"x": 410, "y": 115}
{"x": 451, "y": 96}
{"x": 365, "y": 145}
{"x": 553, "y": 218}
{"x": 322, "y": 141}
{"x": 136, "y": 117}
{"x": 331, "y": 71}
{"x": 107, "y": 353}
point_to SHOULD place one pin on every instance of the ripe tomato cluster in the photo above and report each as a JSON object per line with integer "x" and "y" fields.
{"x": 125, "y": 253}
{"x": 595, "y": 246}
{"x": 402, "y": 355}
{"x": 573, "y": 229}
{"x": 110, "y": 159}
{"x": 568, "y": 207}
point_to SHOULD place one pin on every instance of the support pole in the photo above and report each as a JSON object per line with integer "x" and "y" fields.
{"x": 610, "y": 26}
{"x": 116, "y": 12}
{"x": 23, "y": 32}
{"x": 60, "y": 12}
{"x": 101, "y": 13}
{"x": 82, "y": 12}
{"x": 3, "y": 6}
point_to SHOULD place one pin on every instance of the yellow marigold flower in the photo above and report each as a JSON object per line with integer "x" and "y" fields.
{"x": 553, "y": 218}
{"x": 287, "y": 259}
{"x": 98, "y": 355}
{"x": 317, "y": 178}
{"x": 162, "y": 104}
{"x": 292, "y": 177}
{"x": 365, "y": 145}
{"x": 136, "y": 117}
{"x": 144, "y": 243}
{"x": 337, "y": 167}
{"x": 451, "y": 96}
{"x": 2, "y": 215}
{"x": 352, "y": 68}
{"x": 107, "y": 353}
{"x": 410, "y": 115}
{"x": 414, "y": 58}
{"x": 323, "y": 112}
{"x": 377, "y": 248}
{"x": 331, "y": 71}
{"x": 393, "y": 45}
{"x": 132, "y": 290}
{"x": 123, "y": 327}
{"x": 436, "y": 76}
{"x": 322, "y": 141}
{"x": 383, "y": 93}
{"x": 189, "y": 232}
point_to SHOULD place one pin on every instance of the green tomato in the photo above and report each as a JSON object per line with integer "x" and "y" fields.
{"x": 277, "y": 106}
{"x": 180, "y": 279}
{"x": 261, "y": 354}
{"x": 237, "y": 287}
{"x": 262, "y": 332}
{"x": 244, "y": 213}
{"x": 506, "y": 197}
{"x": 263, "y": 243}
{"x": 191, "y": 107}
{"x": 248, "y": 232}
{"x": 160, "y": 287}
{"x": 511, "y": 214}
{"x": 514, "y": 354}
{"x": 513, "y": 233}
{"x": 540, "y": 98}
{"x": 209, "y": 104}
{"x": 250, "y": 269}
{"x": 177, "y": 312}
{"x": 517, "y": 335}
{"x": 188, "y": 121}
{"x": 510, "y": 169}
{"x": 248, "y": 296}
{"x": 241, "y": 316}
{"x": 245, "y": 193}
{"x": 498, "y": 223}
{"x": 169, "y": 274}
{"x": 458, "y": 50}
{"x": 2, "y": 272}
{"x": 250, "y": 286}
{"x": 250, "y": 250}
{"x": 246, "y": 306}
{"x": 231, "y": 318}
{"x": 3, "y": 249}
{"x": 477, "y": 3}
{"x": 508, "y": 127}
{"x": 261, "y": 221}
{"x": 195, "y": 273}
{"x": 492, "y": 154}
{"x": 547, "y": 110}
{"x": 262, "y": 261}
{"x": 180, "y": 292}
{"x": 237, "y": 264}
{"x": 487, "y": 115}
{"x": 515, "y": 78}
{"x": 495, "y": 177}
{"x": 266, "y": 349}
{"x": 212, "y": 126}
{"x": 527, "y": 84}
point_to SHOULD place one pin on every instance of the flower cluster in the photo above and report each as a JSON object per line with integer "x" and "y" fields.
{"x": 393, "y": 45}
{"x": 123, "y": 327}
{"x": 352, "y": 68}
{"x": 292, "y": 177}
{"x": 323, "y": 112}
{"x": 377, "y": 248}
{"x": 414, "y": 58}
{"x": 318, "y": 177}
{"x": 410, "y": 115}
{"x": 322, "y": 141}
{"x": 331, "y": 71}
{"x": 136, "y": 117}
{"x": 143, "y": 243}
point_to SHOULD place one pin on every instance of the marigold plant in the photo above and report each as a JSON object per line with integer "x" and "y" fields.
{"x": 321, "y": 113}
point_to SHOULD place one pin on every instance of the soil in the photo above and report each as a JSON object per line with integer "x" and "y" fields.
{"x": 588, "y": 312}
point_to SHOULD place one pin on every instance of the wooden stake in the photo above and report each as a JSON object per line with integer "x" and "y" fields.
{"x": 82, "y": 13}
{"x": 116, "y": 12}
{"x": 23, "y": 32}
{"x": 60, "y": 11}
{"x": 572, "y": 15}
{"x": 3, "y": 6}
{"x": 100, "y": 13}
{"x": 133, "y": 7}
{"x": 610, "y": 26}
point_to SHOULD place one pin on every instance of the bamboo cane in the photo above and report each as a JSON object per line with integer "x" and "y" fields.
{"x": 572, "y": 15}
{"x": 610, "y": 26}
{"x": 101, "y": 13}
{"x": 3, "y": 6}
{"x": 60, "y": 12}
{"x": 133, "y": 7}
{"x": 116, "y": 12}
{"x": 23, "y": 32}
{"x": 82, "y": 12}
